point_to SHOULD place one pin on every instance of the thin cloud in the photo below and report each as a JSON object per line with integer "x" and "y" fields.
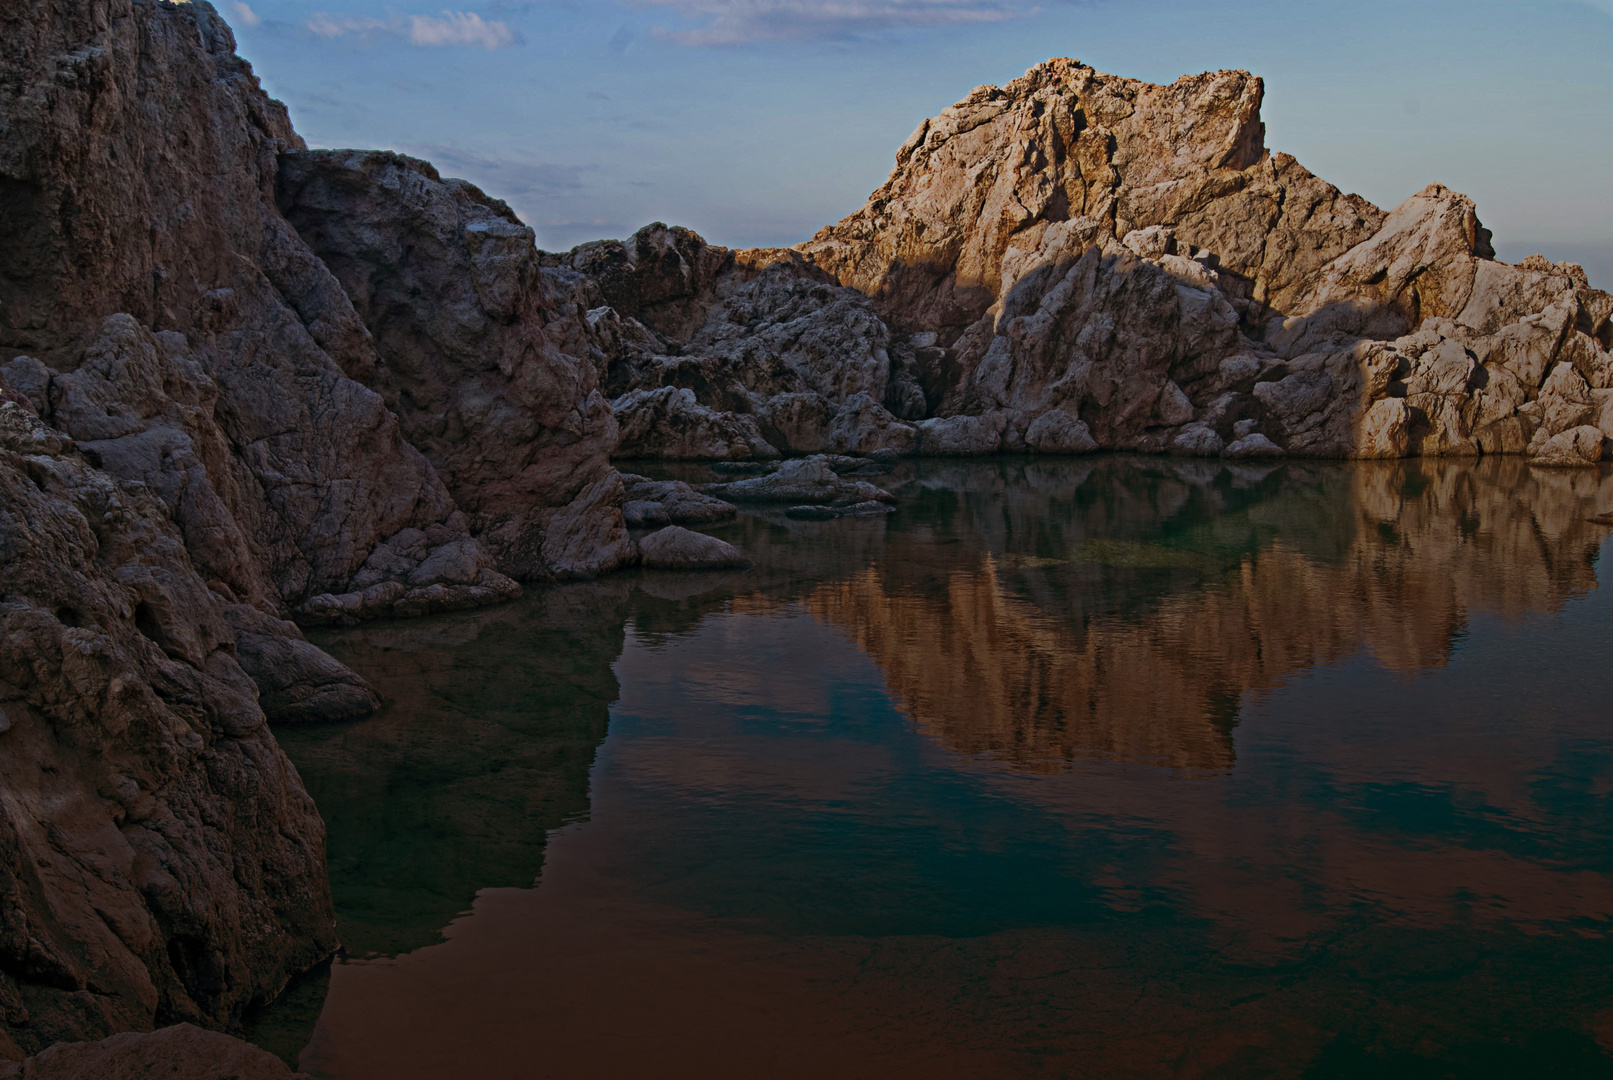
{"x": 512, "y": 178}
{"x": 741, "y": 22}
{"x": 244, "y": 14}
{"x": 452, "y": 28}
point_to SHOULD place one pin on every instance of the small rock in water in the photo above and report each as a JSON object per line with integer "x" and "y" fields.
{"x": 1253, "y": 445}
{"x": 651, "y": 503}
{"x": 869, "y": 508}
{"x": 677, "y": 548}
{"x": 642, "y": 513}
{"x": 802, "y": 481}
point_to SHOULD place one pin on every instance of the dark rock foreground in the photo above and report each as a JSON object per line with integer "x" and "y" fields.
{"x": 246, "y": 385}
{"x": 183, "y": 1051}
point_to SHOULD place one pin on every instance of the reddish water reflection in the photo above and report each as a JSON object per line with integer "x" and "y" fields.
{"x": 1117, "y": 771}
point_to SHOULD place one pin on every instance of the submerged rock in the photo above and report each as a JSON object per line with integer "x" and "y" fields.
{"x": 297, "y": 682}
{"x": 829, "y": 513}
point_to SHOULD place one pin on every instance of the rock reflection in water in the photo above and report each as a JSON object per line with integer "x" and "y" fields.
{"x": 484, "y": 745}
{"x": 1366, "y": 849}
{"x": 1005, "y": 659}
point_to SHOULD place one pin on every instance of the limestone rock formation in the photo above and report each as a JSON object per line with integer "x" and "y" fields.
{"x": 1084, "y": 261}
{"x": 159, "y": 859}
{"x": 450, "y": 285}
{"x": 710, "y": 354}
{"x": 1076, "y": 262}
{"x": 183, "y": 1052}
{"x": 138, "y": 165}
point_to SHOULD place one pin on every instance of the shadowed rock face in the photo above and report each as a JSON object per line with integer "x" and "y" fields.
{"x": 159, "y": 859}
{"x": 176, "y": 326}
{"x": 139, "y": 162}
{"x": 449, "y": 283}
{"x": 183, "y": 1050}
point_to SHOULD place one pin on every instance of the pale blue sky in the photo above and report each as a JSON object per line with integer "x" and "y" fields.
{"x": 757, "y": 121}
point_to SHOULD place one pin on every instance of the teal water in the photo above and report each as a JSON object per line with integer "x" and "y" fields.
{"x": 1110, "y": 767}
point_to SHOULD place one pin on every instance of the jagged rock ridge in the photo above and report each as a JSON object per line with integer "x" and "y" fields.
{"x": 245, "y": 381}
{"x": 1076, "y": 262}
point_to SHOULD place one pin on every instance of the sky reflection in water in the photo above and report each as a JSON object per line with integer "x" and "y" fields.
{"x": 1112, "y": 767}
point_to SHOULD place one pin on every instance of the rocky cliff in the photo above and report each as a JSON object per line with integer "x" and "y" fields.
{"x": 196, "y": 448}
{"x": 173, "y": 323}
{"x": 159, "y": 858}
{"x": 449, "y": 283}
{"x": 245, "y": 385}
{"x": 1076, "y": 262}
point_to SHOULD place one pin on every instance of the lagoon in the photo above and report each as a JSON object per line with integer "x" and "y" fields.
{"x": 1110, "y": 767}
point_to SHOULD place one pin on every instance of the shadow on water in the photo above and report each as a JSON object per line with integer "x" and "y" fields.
{"x": 1032, "y": 618}
{"x": 490, "y": 724}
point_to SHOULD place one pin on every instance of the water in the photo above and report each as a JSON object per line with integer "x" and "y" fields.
{"x": 1102, "y": 768}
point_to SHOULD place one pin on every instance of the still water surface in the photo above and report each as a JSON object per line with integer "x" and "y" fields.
{"x": 1102, "y": 768}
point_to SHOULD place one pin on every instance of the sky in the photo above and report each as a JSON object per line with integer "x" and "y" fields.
{"x": 755, "y": 122}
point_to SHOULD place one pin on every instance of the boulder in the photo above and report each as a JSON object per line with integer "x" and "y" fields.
{"x": 670, "y": 423}
{"x": 1580, "y": 447}
{"x": 297, "y": 682}
{"x": 181, "y": 1052}
{"x": 1252, "y": 446}
{"x": 1057, "y": 432}
{"x": 676, "y": 548}
{"x": 663, "y": 502}
{"x": 1385, "y": 430}
{"x": 959, "y": 435}
{"x": 800, "y": 481}
{"x": 1198, "y": 440}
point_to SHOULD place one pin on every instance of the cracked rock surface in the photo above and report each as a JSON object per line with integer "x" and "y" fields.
{"x": 159, "y": 858}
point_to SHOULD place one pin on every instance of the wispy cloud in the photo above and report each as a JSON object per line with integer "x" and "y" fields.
{"x": 516, "y": 179}
{"x": 738, "y": 22}
{"x": 451, "y": 28}
{"x": 244, "y": 14}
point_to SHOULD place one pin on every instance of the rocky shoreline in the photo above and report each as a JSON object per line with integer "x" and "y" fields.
{"x": 248, "y": 386}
